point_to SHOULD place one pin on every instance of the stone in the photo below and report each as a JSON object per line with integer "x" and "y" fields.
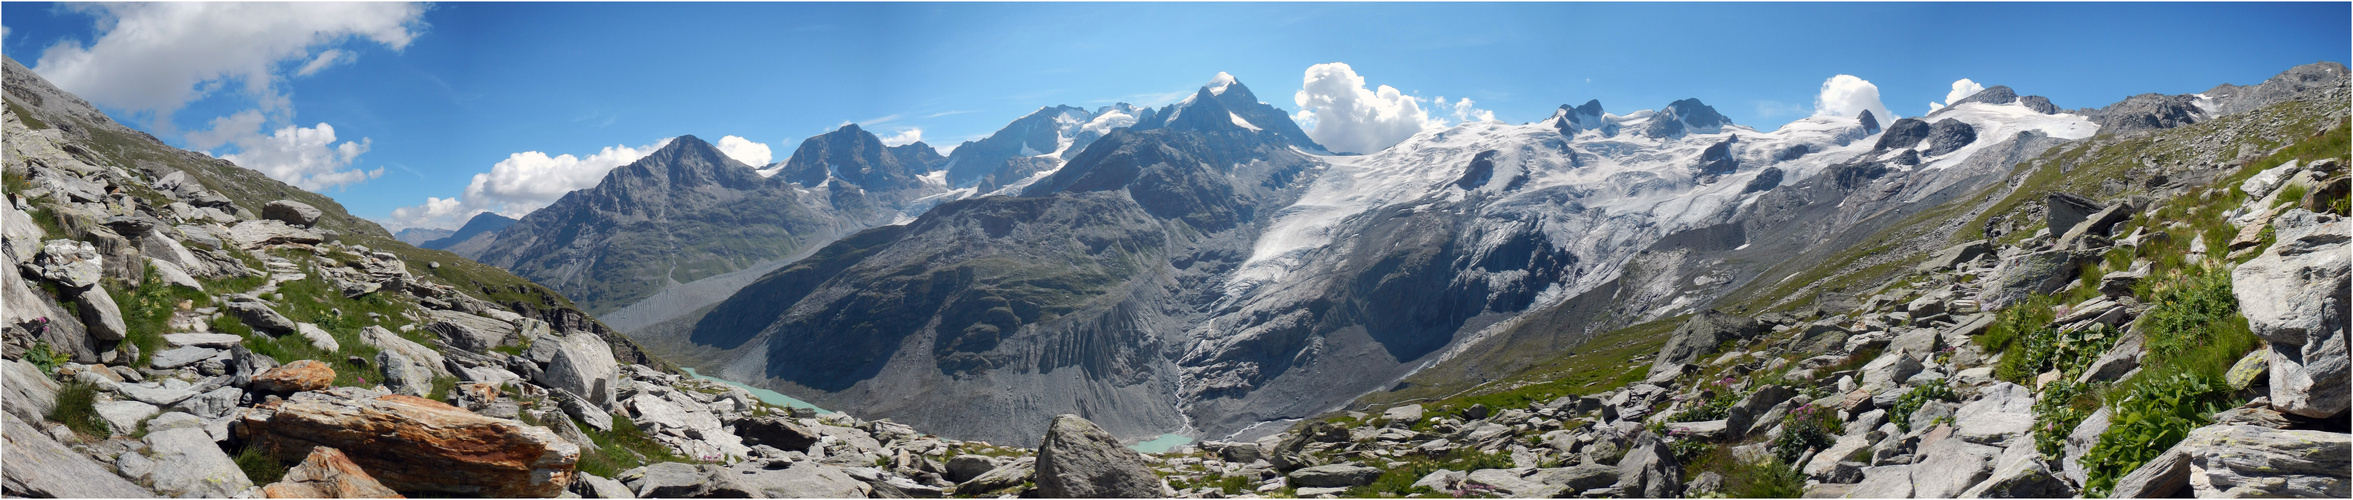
{"x": 1949, "y": 467}
{"x": 1079, "y": 460}
{"x": 1890, "y": 369}
{"x": 667, "y": 480}
{"x": 37, "y": 466}
{"x": 259, "y": 233}
{"x": 1710, "y": 430}
{"x": 69, "y": 263}
{"x": 30, "y": 395}
{"x": 211, "y": 340}
{"x": 470, "y": 332}
{"x": 2250, "y": 369}
{"x": 194, "y": 466}
{"x": 123, "y": 417}
{"x": 327, "y": 473}
{"x": 962, "y": 468}
{"x": 2099, "y": 224}
{"x": 1406, "y": 413}
{"x": 2250, "y": 461}
{"x": 584, "y": 365}
{"x": 404, "y": 375}
{"x": 388, "y": 341}
{"x": 778, "y": 431}
{"x": 298, "y": 376}
{"x": 318, "y": 337}
{"x": 416, "y": 445}
{"x": 2062, "y": 211}
{"x": 2079, "y": 442}
{"x": 174, "y": 358}
{"x": 101, "y": 316}
{"x": 2296, "y": 296}
{"x": 594, "y": 486}
{"x": 1700, "y": 336}
{"x": 2002, "y": 412}
{"x": 999, "y": 479}
{"x": 1944, "y": 260}
{"x": 595, "y": 417}
{"x": 1919, "y": 342}
{"x": 1649, "y": 470}
{"x": 259, "y": 316}
{"x": 1887, "y": 481}
{"x": 1334, "y": 476}
{"x": 1443, "y": 481}
{"x": 2166, "y": 476}
{"x": 800, "y": 480}
{"x": 2033, "y": 273}
{"x": 293, "y": 213}
{"x": 154, "y": 393}
{"x": 212, "y": 404}
{"x": 2260, "y": 185}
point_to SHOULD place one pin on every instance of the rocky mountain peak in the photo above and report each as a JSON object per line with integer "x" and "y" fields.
{"x": 1870, "y": 123}
{"x": 1685, "y": 117}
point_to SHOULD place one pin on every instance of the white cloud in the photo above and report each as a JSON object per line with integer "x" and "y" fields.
{"x": 1846, "y": 95}
{"x": 157, "y": 57}
{"x": 904, "y": 137}
{"x": 326, "y": 59}
{"x": 1962, "y": 89}
{"x": 744, "y": 150}
{"x": 1339, "y": 112}
{"x": 307, "y": 157}
{"x": 520, "y": 184}
{"x": 1463, "y": 112}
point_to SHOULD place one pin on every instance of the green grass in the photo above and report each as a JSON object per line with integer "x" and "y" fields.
{"x": 260, "y": 465}
{"x": 1399, "y": 478}
{"x": 1772, "y": 478}
{"x": 29, "y": 121}
{"x": 77, "y": 408}
{"x": 625, "y": 447}
{"x": 2193, "y": 325}
{"x": 147, "y": 311}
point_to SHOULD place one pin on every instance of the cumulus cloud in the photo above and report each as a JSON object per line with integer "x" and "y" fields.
{"x": 744, "y": 150}
{"x": 155, "y": 58}
{"x": 904, "y": 137}
{"x": 307, "y": 157}
{"x": 1339, "y": 112}
{"x": 520, "y": 184}
{"x": 1962, "y": 89}
{"x": 1846, "y": 95}
{"x": 1462, "y": 111}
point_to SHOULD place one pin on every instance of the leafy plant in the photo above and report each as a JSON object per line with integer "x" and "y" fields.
{"x": 1912, "y": 400}
{"x": 1772, "y": 478}
{"x": 2193, "y": 324}
{"x": 2150, "y": 418}
{"x": 2048, "y": 349}
{"x": 2056, "y": 413}
{"x": 1718, "y": 406}
{"x": 44, "y": 358}
{"x": 1806, "y": 428}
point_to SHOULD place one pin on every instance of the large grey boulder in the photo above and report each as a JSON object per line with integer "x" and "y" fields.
{"x": 1887, "y": 481}
{"x": 2020, "y": 473}
{"x": 1334, "y": 476}
{"x": 390, "y": 342}
{"x": 38, "y": 466}
{"x": 2249, "y": 461}
{"x": 2062, "y": 211}
{"x": 257, "y": 314}
{"x": 72, "y": 264}
{"x": 665, "y": 480}
{"x": 293, "y": 213}
{"x": 778, "y": 431}
{"x": 255, "y": 234}
{"x": 1649, "y": 470}
{"x": 404, "y": 375}
{"x": 1953, "y": 255}
{"x": 2079, "y": 442}
{"x": 101, "y": 315}
{"x": 30, "y": 395}
{"x": 800, "y": 480}
{"x": 963, "y": 468}
{"x": 470, "y": 332}
{"x": 2002, "y": 412}
{"x": 1405, "y": 413}
{"x": 594, "y": 486}
{"x": 123, "y": 417}
{"x": 998, "y": 479}
{"x": 2162, "y": 477}
{"x": 2024, "y": 275}
{"x": 1699, "y": 337}
{"x": 584, "y": 365}
{"x": 2296, "y": 296}
{"x": 1079, "y": 460}
{"x": 197, "y": 466}
{"x": 1891, "y": 369}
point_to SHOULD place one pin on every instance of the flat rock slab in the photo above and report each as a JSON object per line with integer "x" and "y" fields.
{"x": 40, "y": 467}
{"x": 212, "y": 340}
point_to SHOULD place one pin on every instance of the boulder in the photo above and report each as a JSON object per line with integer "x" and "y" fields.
{"x": 255, "y": 234}
{"x": 38, "y": 466}
{"x": 778, "y": 431}
{"x": 298, "y": 376}
{"x": 71, "y": 264}
{"x": 2062, "y": 211}
{"x": 209, "y": 340}
{"x": 962, "y": 468}
{"x": 213, "y": 404}
{"x": 1949, "y": 467}
{"x": 122, "y": 417}
{"x": 772, "y": 480}
{"x": 1406, "y": 413}
{"x": 258, "y": 315}
{"x": 2296, "y": 296}
{"x": 30, "y": 395}
{"x": 1888, "y": 481}
{"x": 1699, "y": 337}
{"x": 2101, "y": 223}
{"x": 593, "y": 486}
{"x": 666, "y": 480}
{"x": 1944, "y": 260}
{"x": 195, "y": 466}
{"x": 1891, "y": 369}
{"x": 293, "y": 213}
{"x": 101, "y": 316}
{"x": 388, "y": 341}
{"x": 583, "y": 364}
{"x": 404, "y": 375}
{"x": 2002, "y": 412}
{"x": 318, "y": 337}
{"x": 998, "y": 479}
{"x": 2039, "y": 272}
{"x": 327, "y": 473}
{"x": 1649, "y": 470}
{"x": 470, "y": 332}
{"x": 1334, "y": 476}
{"x": 2249, "y": 461}
{"x": 2079, "y": 442}
{"x": 1079, "y": 460}
{"x": 416, "y": 445}
{"x": 176, "y": 358}
{"x": 2166, "y": 476}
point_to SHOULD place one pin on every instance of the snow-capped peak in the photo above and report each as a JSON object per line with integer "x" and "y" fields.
{"x": 1217, "y": 84}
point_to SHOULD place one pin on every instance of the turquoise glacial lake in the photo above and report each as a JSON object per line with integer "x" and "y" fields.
{"x": 767, "y": 396}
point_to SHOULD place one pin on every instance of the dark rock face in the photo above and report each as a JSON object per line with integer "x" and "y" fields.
{"x": 1904, "y": 133}
{"x": 1482, "y": 167}
{"x": 1699, "y": 337}
{"x": 1794, "y": 152}
{"x": 2063, "y": 211}
{"x": 1570, "y": 120}
{"x": 1766, "y": 179}
{"x": 1870, "y": 123}
{"x": 1685, "y": 116}
{"x": 1909, "y": 158}
{"x": 2149, "y": 112}
{"x": 2232, "y": 99}
{"x": 858, "y": 157}
{"x": 482, "y": 223}
{"x": 1718, "y": 160}
{"x": 1079, "y": 460}
{"x": 776, "y": 431}
{"x": 1948, "y": 136}
{"x": 2039, "y": 104}
{"x": 1998, "y": 94}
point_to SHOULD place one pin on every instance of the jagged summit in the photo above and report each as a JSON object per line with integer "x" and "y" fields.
{"x": 1244, "y": 109}
{"x": 1219, "y": 83}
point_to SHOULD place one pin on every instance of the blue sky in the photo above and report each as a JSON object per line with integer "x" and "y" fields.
{"x": 475, "y": 105}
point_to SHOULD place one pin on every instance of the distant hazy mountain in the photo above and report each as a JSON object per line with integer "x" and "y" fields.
{"x": 420, "y": 235}
{"x": 482, "y": 224}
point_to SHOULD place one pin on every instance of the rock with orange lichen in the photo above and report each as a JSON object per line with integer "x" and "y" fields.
{"x": 416, "y": 445}
{"x": 328, "y": 473}
{"x": 298, "y": 376}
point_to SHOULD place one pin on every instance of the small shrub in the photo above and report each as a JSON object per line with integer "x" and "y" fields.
{"x": 1715, "y": 408}
{"x": 2193, "y": 324}
{"x": 1808, "y": 427}
{"x": 1912, "y": 400}
{"x": 2048, "y": 349}
{"x": 260, "y": 465}
{"x": 77, "y": 408}
{"x": 1773, "y": 478}
{"x": 2152, "y": 416}
{"x": 2057, "y": 412}
{"x": 2019, "y": 319}
{"x": 44, "y": 358}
